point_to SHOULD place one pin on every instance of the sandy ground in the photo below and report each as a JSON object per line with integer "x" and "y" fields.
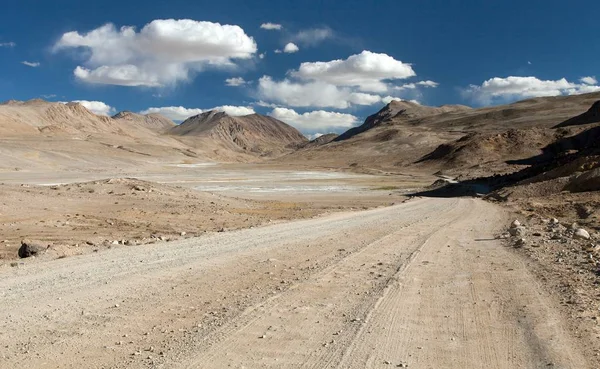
{"x": 77, "y": 212}
{"x": 423, "y": 284}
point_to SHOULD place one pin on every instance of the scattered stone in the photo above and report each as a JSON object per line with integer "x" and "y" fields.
{"x": 515, "y": 224}
{"x": 183, "y": 234}
{"x": 554, "y": 221}
{"x": 29, "y": 249}
{"x": 520, "y": 242}
{"x": 581, "y": 234}
{"x": 518, "y": 231}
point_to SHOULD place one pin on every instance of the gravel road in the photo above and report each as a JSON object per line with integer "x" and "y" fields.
{"x": 423, "y": 284}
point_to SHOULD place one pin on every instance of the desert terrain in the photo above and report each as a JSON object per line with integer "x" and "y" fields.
{"x": 428, "y": 237}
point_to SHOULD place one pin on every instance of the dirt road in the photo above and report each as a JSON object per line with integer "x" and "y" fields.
{"x": 422, "y": 284}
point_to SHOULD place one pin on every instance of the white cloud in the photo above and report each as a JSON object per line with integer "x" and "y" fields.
{"x": 388, "y": 99}
{"x": 277, "y": 51}
{"x": 510, "y": 88}
{"x": 589, "y": 80}
{"x": 163, "y": 52}
{"x": 235, "y": 111}
{"x": 367, "y": 71}
{"x": 290, "y": 48}
{"x": 262, "y": 56}
{"x": 314, "y": 136}
{"x": 271, "y": 26}
{"x": 96, "y": 107}
{"x": 179, "y": 113}
{"x": 428, "y": 84}
{"x": 236, "y": 81}
{"x": 313, "y": 36}
{"x": 312, "y": 94}
{"x": 7, "y": 44}
{"x": 314, "y": 120}
{"x": 413, "y": 86}
{"x": 360, "y": 98}
{"x": 31, "y": 64}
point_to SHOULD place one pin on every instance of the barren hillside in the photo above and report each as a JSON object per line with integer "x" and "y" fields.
{"x": 455, "y": 139}
{"x": 251, "y": 135}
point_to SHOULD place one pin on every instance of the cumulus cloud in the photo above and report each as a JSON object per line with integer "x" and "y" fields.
{"x": 163, "y": 52}
{"x": 236, "y": 81}
{"x": 513, "y": 88}
{"x": 389, "y": 99}
{"x": 413, "y": 86}
{"x": 290, "y": 48}
{"x": 96, "y": 107}
{"x": 367, "y": 71}
{"x": 428, "y": 84}
{"x": 179, "y": 113}
{"x": 589, "y": 80}
{"x": 31, "y": 64}
{"x": 313, "y": 36}
{"x": 312, "y": 94}
{"x": 7, "y": 44}
{"x": 271, "y": 26}
{"x": 314, "y": 120}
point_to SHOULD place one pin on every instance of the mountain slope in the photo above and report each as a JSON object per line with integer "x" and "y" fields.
{"x": 251, "y": 134}
{"x": 42, "y": 117}
{"x": 154, "y": 122}
{"x": 401, "y": 110}
{"x": 456, "y": 138}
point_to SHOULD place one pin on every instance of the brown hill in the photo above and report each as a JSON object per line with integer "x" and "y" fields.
{"x": 255, "y": 134}
{"x": 42, "y": 117}
{"x": 321, "y": 140}
{"x": 50, "y": 135}
{"x": 154, "y": 121}
{"x": 400, "y": 110}
{"x": 451, "y": 138}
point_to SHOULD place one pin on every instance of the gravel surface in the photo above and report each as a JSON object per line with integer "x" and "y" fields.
{"x": 423, "y": 284}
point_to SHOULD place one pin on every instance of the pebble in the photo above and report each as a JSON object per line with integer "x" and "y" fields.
{"x": 581, "y": 233}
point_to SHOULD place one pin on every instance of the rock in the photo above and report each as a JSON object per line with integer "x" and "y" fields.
{"x": 183, "y": 234}
{"x": 515, "y": 224}
{"x": 554, "y": 221}
{"x": 581, "y": 234}
{"x": 574, "y": 226}
{"x": 29, "y": 248}
{"x": 517, "y": 231}
{"x": 520, "y": 242}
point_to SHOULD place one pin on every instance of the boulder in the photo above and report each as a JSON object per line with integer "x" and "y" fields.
{"x": 517, "y": 231}
{"x": 581, "y": 234}
{"x": 29, "y": 249}
{"x": 586, "y": 181}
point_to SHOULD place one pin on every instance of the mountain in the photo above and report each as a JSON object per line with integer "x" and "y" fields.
{"x": 401, "y": 110}
{"x": 321, "y": 140}
{"x": 50, "y": 135}
{"x": 452, "y": 138}
{"x": 153, "y": 121}
{"x": 255, "y": 134}
{"x": 37, "y": 116}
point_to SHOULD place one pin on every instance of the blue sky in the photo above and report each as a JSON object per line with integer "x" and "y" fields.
{"x": 175, "y": 56}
